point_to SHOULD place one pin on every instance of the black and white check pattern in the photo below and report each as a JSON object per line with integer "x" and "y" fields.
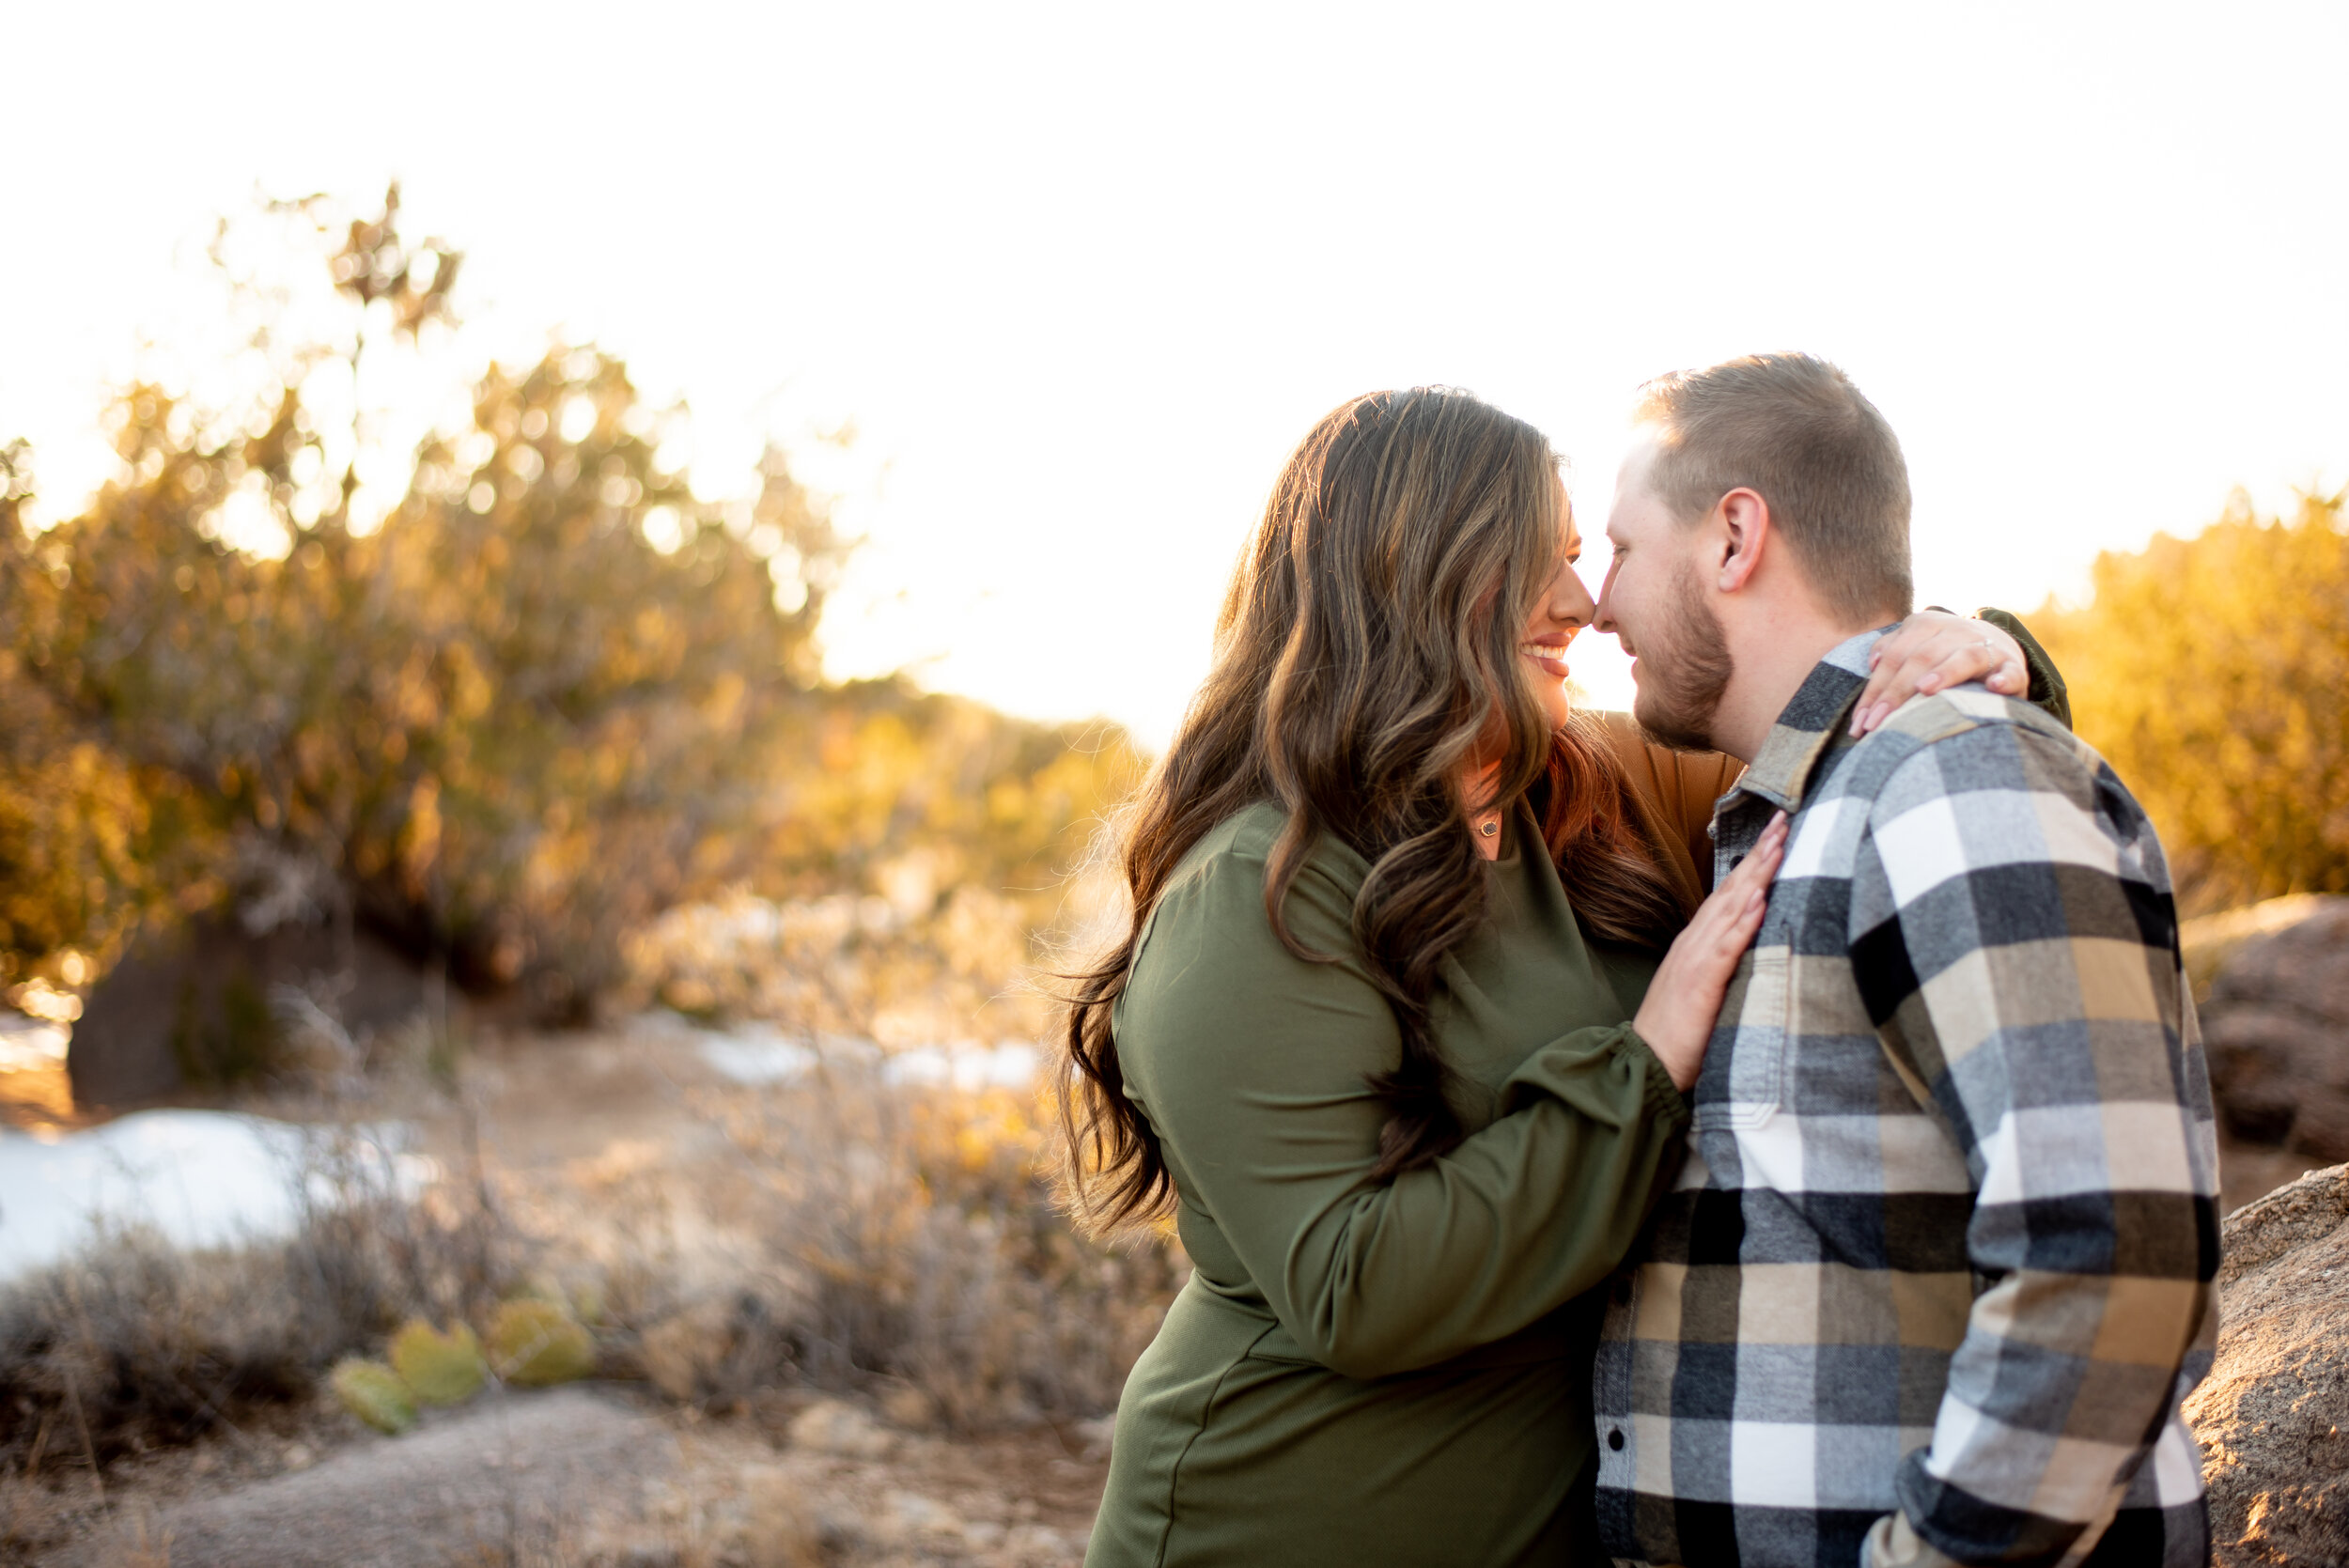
{"x": 1937, "y": 1271}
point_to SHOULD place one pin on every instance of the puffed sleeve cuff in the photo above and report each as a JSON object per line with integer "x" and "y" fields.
{"x": 1608, "y": 1072}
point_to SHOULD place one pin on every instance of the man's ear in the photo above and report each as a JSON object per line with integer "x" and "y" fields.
{"x": 1746, "y": 531}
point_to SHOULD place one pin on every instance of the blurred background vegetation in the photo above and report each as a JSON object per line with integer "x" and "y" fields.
{"x": 516, "y": 700}
{"x": 544, "y": 697}
{"x": 543, "y": 693}
{"x": 2214, "y": 671}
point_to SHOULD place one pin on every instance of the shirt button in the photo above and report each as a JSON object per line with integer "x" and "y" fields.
{"x": 1614, "y": 1438}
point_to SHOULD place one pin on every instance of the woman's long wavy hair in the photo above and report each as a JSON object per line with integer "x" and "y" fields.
{"x": 1366, "y": 654}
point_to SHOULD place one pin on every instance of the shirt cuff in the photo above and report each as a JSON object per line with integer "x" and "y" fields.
{"x": 1892, "y": 1543}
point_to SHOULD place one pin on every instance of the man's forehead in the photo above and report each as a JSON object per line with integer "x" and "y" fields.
{"x": 1636, "y": 456}
{"x": 1630, "y": 482}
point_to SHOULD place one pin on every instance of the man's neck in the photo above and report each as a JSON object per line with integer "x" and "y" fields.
{"x": 1771, "y": 667}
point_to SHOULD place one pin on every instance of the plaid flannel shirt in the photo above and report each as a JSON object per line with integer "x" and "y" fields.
{"x": 1937, "y": 1271}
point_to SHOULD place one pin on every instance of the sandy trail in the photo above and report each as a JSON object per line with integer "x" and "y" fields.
{"x": 595, "y": 1476}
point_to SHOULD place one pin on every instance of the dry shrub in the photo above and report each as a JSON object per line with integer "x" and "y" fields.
{"x": 135, "y": 1344}
{"x": 908, "y": 1243}
{"x": 913, "y": 967}
{"x": 890, "y": 1237}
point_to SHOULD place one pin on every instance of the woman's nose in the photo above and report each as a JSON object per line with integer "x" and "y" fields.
{"x": 1570, "y": 601}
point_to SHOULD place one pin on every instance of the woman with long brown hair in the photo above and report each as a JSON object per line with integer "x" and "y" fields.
{"x": 1417, "y": 975}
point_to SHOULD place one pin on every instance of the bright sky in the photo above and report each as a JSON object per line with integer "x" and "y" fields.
{"x": 1080, "y": 275}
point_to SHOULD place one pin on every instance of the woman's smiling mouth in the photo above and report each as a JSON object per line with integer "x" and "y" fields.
{"x": 1549, "y": 658}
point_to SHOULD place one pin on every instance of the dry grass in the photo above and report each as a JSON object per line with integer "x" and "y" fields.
{"x": 889, "y": 1239}
{"x": 135, "y": 1345}
{"x": 733, "y": 1248}
{"x": 893, "y": 1241}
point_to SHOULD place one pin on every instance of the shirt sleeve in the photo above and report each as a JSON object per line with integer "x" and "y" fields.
{"x": 2049, "y": 692}
{"x": 1253, "y": 1066}
{"x": 2015, "y": 942}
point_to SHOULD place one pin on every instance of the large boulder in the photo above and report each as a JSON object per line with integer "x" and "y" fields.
{"x": 205, "y": 1002}
{"x": 2271, "y": 1415}
{"x": 2276, "y": 1025}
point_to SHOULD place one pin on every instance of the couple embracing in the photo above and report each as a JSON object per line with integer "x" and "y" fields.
{"x": 1767, "y": 1129}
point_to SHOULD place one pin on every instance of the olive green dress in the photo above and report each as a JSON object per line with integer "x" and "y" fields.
{"x": 1394, "y": 1373}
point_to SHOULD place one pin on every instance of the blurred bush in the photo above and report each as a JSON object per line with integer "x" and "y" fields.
{"x": 534, "y": 1344}
{"x": 134, "y": 1343}
{"x": 2214, "y": 673}
{"x": 544, "y": 694}
{"x": 906, "y": 1248}
{"x": 439, "y": 1368}
{"x": 373, "y": 1393}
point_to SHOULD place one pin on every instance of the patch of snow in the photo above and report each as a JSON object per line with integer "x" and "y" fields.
{"x": 199, "y": 1178}
{"x": 759, "y": 1054}
{"x": 966, "y": 1065}
{"x": 754, "y": 1057}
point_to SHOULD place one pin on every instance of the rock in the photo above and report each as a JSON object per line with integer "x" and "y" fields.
{"x": 778, "y": 1528}
{"x": 2276, "y": 1028}
{"x": 909, "y": 1408}
{"x": 2210, "y": 941}
{"x": 2270, "y": 1417}
{"x": 833, "y": 1426}
{"x": 683, "y": 1353}
{"x": 1039, "y": 1544}
{"x": 1096, "y": 1434}
{"x": 439, "y": 1495}
{"x": 909, "y": 1516}
{"x": 195, "y": 1001}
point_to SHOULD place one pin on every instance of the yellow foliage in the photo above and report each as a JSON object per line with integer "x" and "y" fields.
{"x": 2214, "y": 673}
{"x": 544, "y": 697}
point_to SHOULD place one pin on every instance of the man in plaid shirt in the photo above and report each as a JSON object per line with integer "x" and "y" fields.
{"x": 1937, "y": 1271}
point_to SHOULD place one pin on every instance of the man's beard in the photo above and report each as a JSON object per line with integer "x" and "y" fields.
{"x": 1684, "y": 668}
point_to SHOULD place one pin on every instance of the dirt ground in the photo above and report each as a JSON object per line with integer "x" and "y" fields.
{"x": 598, "y": 1474}
{"x": 572, "y": 1130}
{"x": 580, "y": 1476}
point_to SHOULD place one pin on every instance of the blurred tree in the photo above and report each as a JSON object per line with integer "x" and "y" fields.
{"x": 543, "y": 695}
{"x": 88, "y": 842}
{"x": 885, "y": 772}
{"x": 2214, "y": 671}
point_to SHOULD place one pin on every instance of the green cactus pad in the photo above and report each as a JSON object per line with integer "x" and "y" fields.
{"x": 537, "y": 1342}
{"x": 440, "y": 1369}
{"x": 373, "y": 1393}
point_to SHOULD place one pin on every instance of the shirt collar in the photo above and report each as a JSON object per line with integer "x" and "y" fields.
{"x": 1821, "y": 708}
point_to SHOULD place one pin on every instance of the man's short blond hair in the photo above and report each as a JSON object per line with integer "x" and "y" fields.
{"x": 1796, "y": 431}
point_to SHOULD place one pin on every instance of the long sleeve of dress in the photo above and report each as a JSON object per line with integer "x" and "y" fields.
{"x": 1253, "y": 1067}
